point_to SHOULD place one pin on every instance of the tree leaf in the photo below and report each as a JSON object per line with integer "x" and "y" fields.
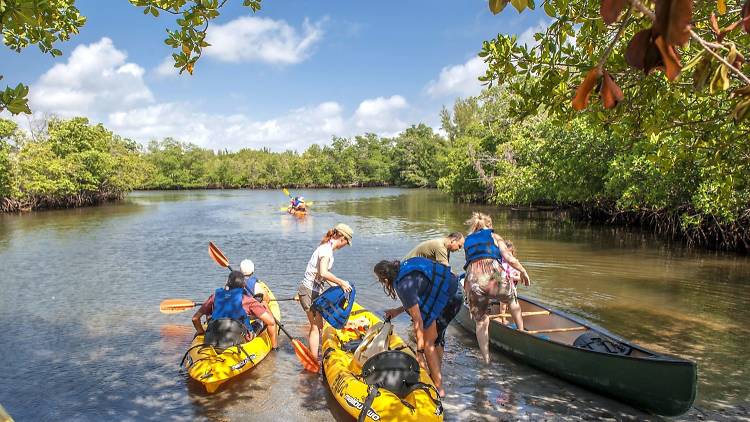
{"x": 714, "y": 24}
{"x": 702, "y": 72}
{"x": 611, "y": 93}
{"x": 581, "y": 99}
{"x": 497, "y": 6}
{"x": 520, "y": 5}
{"x": 720, "y": 81}
{"x": 741, "y": 110}
{"x": 670, "y": 58}
{"x": 673, "y": 20}
{"x": 550, "y": 11}
{"x": 611, "y": 9}
{"x": 721, "y": 6}
{"x": 635, "y": 54}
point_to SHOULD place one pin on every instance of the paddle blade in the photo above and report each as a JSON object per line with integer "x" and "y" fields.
{"x": 305, "y": 356}
{"x": 217, "y": 255}
{"x": 175, "y": 306}
{"x": 286, "y": 192}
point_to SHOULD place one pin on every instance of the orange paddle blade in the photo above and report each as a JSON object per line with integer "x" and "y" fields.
{"x": 305, "y": 356}
{"x": 175, "y": 306}
{"x": 217, "y": 255}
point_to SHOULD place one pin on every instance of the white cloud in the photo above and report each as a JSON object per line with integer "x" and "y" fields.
{"x": 459, "y": 80}
{"x": 253, "y": 39}
{"x": 166, "y": 68}
{"x": 97, "y": 82}
{"x": 527, "y": 36}
{"x": 380, "y": 114}
{"x": 296, "y": 129}
{"x": 95, "y": 78}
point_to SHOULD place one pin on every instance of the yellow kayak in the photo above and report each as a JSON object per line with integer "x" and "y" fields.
{"x": 213, "y": 369}
{"x": 344, "y": 377}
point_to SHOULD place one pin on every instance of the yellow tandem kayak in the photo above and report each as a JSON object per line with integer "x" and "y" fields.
{"x": 212, "y": 369}
{"x": 344, "y": 377}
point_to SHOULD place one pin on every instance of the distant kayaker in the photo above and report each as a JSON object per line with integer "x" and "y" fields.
{"x": 438, "y": 249}
{"x": 429, "y": 292}
{"x": 318, "y": 276}
{"x": 298, "y": 204}
{"x": 232, "y": 302}
{"x": 486, "y": 280}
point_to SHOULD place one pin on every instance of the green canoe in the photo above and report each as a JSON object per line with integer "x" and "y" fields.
{"x": 656, "y": 383}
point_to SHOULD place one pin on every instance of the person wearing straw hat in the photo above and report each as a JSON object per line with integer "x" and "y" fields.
{"x": 318, "y": 275}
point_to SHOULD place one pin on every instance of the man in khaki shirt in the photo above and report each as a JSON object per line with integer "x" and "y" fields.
{"x": 438, "y": 249}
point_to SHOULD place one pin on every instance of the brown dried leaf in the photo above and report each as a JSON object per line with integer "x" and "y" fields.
{"x": 714, "y": 24}
{"x": 611, "y": 93}
{"x": 635, "y": 55}
{"x": 611, "y": 9}
{"x": 581, "y": 99}
{"x": 741, "y": 111}
{"x": 669, "y": 57}
{"x": 746, "y": 16}
{"x": 673, "y": 20}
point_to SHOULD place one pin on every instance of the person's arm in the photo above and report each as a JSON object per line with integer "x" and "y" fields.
{"x": 511, "y": 260}
{"x": 329, "y": 276}
{"x": 394, "y": 312}
{"x": 416, "y": 317}
{"x": 197, "y": 322}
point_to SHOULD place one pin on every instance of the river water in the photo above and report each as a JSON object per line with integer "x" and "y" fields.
{"x": 83, "y": 338}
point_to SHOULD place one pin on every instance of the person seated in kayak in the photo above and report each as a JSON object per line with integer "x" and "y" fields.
{"x": 231, "y": 301}
{"x": 297, "y": 204}
{"x": 429, "y": 293}
{"x": 247, "y": 267}
{"x": 486, "y": 279}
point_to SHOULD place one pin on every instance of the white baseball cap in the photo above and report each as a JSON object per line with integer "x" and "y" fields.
{"x": 247, "y": 267}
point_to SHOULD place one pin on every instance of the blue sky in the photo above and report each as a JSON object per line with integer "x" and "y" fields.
{"x": 293, "y": 74}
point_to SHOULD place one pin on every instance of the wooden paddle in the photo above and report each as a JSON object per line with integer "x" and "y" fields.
{"x": 175, "y": 306}
{"x": 304, "y": 354}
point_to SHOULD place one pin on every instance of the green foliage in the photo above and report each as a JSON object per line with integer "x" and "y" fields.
{"x": 73, "y": 159}
{"x": 35, "y": 22}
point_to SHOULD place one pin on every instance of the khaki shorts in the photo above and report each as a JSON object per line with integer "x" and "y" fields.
{"x": 306, "y": 296}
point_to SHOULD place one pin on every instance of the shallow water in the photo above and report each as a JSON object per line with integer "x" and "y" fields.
{"x": 84, "y": 339}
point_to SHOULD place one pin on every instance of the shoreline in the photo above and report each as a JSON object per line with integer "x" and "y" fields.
{"x": 665, "y": 224}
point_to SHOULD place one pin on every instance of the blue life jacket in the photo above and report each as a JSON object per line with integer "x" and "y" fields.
{"x": 228, "y": 304}
{"x": 250, "y": 284}
{"x": 481, "y": 244}
{"x": 443, "y": 286}
{"x": 334, "y": 305}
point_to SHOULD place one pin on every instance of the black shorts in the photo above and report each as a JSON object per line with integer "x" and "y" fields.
{"x": 450, "y": 312}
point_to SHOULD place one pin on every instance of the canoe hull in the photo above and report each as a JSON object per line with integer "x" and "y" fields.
{"x": 212, "y": 370}
{"x": 662, "y": 384}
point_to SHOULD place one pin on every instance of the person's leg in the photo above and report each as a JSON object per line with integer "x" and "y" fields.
{"x": 267, "y": 319}
{"x": 313, "y": 335}
{"x": 483, "y": 338}
{"x": 515, "y": 312}
{"x": 431, "y": 355}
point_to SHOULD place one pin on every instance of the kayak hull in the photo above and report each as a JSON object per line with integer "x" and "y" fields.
{"x": 343, "y": 376}
{"x": 213, "y": 369}
{"x": 654, "y": 382}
